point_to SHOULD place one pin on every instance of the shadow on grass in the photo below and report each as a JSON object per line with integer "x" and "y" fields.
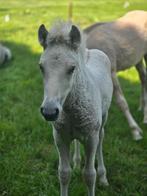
{"x": 26, "y": 140}
{"x": 28, "y": 159}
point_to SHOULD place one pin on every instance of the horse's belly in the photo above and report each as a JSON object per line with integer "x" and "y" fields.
{"x": 129, "y": 58}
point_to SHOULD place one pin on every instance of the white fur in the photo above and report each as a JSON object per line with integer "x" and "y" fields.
{"x": 86, "y": 98}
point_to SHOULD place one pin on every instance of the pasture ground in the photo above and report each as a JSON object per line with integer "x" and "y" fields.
{"x": 28, "y": 158}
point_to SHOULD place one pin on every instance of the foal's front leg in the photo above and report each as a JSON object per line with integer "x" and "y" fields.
{"x": 101, "y": 170}
{"x": 89, "y": 169}
{"x": 64, "y": 169}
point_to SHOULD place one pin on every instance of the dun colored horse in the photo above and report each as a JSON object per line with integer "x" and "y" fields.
{"x": 125, "y": 43}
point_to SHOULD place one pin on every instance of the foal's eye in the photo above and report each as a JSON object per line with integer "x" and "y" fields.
{"x": 71, "y": 70}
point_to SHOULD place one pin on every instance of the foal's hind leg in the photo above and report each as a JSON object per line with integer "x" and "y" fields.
{"x": 121, "y": 101}
{"x": 143, "y": 78}
{"x": 77, "y": 155}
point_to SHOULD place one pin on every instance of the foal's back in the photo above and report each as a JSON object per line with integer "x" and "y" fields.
{"x": 99, "y": 69}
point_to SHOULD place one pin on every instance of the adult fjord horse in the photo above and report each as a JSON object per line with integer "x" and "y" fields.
{"x": 125, "y": 43}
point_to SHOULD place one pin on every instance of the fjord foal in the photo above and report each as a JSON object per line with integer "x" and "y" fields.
{"x": 125, "y": 43}
{"x": 77, "y": 96}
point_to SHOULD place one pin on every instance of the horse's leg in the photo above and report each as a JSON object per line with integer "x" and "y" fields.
{"x": 76, "y": 156}
{"x": 64, "y": 169}
{"x": 143, "y": 100}
{"x": 101, "y": 170}
{"x": 140, "y": 70}
{"x": 145, "y": 94}
{"x": 122, "y": 103}
{"x": 89, "y": 171}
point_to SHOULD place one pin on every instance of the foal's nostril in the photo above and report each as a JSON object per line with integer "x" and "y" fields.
{"x": 57, "y": 111}
{"x": 50, "y": 114}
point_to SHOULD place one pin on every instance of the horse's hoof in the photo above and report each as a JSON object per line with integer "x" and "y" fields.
{"x": 137, "y": 134}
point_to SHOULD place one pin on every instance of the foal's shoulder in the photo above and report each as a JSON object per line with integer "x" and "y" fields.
{"x": 98, "y": 57}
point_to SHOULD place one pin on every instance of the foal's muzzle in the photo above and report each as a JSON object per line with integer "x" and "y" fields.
{"x": 50, "y": 111}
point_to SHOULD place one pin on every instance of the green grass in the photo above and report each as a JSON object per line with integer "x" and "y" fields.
{"x": 28, "y": 158}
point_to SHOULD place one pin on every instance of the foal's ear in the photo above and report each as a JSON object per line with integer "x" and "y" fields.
{"x": 42, "y": 35}
{"x": 75, "y": 36}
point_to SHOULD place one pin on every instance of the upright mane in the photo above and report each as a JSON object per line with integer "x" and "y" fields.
{"x": 60, "y": 34}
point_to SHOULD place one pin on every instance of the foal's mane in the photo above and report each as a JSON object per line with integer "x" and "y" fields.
{"x": 59, "y": 35}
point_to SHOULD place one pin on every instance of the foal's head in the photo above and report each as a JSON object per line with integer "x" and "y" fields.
{"x": 58, "y": 63}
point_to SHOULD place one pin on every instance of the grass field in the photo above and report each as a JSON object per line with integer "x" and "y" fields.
{"x": 28, "y": 158}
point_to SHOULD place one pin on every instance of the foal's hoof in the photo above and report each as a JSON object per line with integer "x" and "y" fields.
{"x": 103, "y": 181}
{"x": 137, "y": 134}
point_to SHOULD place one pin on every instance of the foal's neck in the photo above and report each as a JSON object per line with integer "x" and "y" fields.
{"x": 79, "y": 87}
